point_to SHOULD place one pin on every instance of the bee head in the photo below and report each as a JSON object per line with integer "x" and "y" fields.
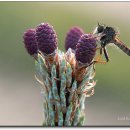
{"x": 100, "y": 28}
{"x": 105, "y": 34}
{"x": 109, "y": 35}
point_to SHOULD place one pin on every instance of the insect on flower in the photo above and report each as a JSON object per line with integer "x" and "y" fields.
{"x": 106, "y": 35}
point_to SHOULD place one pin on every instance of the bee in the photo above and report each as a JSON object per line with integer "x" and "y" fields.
{"x": 106, "y": 35}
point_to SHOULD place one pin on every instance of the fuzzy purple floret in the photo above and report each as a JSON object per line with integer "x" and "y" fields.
{"x": 86, "y": 49}
{"x": 30, "y": 41}
{"x": 72, "y": 37}
{"x": 46, "y": 38}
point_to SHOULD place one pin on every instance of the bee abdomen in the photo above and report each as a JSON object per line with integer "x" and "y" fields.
{"x": 122, "y": 46}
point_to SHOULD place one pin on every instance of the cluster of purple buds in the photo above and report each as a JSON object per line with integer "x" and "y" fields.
{"x": 44, "y": 38}
{"x": 83, "y": 45}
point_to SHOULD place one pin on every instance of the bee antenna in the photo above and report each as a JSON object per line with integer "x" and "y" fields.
{"x": 98, "y": 24}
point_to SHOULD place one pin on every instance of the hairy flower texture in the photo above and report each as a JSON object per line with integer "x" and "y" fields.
{"x": 86, "y": 49}
{"x": 72, "y": 37}
{"x": 30, "y": 41}
{"x": 46, "y": 38}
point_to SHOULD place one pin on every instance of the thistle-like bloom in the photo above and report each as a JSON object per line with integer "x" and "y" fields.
{"x": 86, "y": 49}
{"x": 30, "y": 41}
{"x": 46, "y": 38}
{"x": 72, "y": 37}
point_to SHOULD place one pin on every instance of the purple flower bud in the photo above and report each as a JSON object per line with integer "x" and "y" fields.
{"x": 30, "y": 41}
{"x": 72, "y": 37}
{"x": 86, "y": 49}
{"x": 46, "y": 38}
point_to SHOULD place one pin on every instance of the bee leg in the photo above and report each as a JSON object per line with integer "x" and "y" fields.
{"x": 106, "y": 54}
{"x": 98, "y": 59}
{"x": 97, "y": 48}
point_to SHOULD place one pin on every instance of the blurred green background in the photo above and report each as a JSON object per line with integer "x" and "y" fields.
{"x": 20, "y": 99}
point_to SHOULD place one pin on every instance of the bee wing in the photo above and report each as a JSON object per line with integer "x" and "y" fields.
{"x": 113, "y": 47}
{"x": 122, "y": 46}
